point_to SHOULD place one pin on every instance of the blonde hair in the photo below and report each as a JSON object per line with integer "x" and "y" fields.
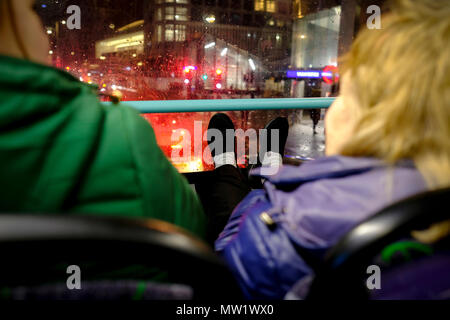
{"x": 401, "y": 75}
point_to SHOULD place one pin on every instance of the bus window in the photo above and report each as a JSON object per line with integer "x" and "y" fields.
{"x": 142, "y": 50}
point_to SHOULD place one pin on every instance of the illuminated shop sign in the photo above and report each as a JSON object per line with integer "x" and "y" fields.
{"x": 310, "y": 74}
{"x": 326, "y": 74}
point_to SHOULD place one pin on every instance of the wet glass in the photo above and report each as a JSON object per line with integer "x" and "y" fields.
{"x": 208, "y": 49}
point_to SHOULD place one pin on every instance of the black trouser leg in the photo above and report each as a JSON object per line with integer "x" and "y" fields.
{"x": 227, "y": 188}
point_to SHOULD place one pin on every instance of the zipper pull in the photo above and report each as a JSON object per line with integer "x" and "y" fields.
{"x": 267, "y": 219}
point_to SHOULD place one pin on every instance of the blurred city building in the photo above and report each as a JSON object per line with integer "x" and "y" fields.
{"x": 187, "y": 48}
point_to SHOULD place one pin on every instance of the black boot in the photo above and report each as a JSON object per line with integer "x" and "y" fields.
{"x": 282, "y": 125}
{"x": 265, "y": 145}
{"x": 222, "y": 123}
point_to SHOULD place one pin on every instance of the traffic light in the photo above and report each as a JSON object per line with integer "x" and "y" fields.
{"x": 189, "y": 69}
{"x": 218, "y": 79}
{"x": 189, "y": 74}
{"x": 205, "y": 77}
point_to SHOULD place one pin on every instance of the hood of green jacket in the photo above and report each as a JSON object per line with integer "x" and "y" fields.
{"x": 38, "y": 106}
{"x": 62, "y": 151}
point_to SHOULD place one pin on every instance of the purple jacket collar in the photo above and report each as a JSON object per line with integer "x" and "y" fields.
{"x": 326, "y": 167}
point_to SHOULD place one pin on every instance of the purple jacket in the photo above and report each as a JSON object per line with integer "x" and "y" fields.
{"x": 301, "y": 213}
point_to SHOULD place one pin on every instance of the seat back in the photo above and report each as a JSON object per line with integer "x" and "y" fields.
{"x": 102, "y": 291}
{"x": 344, "y": 273}
{"x": 37, "y": 249}
{"x": 425, "y": 278}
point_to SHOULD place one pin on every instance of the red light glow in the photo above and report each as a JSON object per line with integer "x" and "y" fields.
{"x": 188, "y": 69}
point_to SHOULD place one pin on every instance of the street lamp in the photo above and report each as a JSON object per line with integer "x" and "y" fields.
{"x": 252, "y": 64}
{"x": 210, "y": 19}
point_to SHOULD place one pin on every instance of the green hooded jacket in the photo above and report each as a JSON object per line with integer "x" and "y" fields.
{"x": 62, "y": 151}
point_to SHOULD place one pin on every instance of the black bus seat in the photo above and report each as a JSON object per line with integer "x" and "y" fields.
{"x": 32, "y": 245}
{"x": 343, "y": 274}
